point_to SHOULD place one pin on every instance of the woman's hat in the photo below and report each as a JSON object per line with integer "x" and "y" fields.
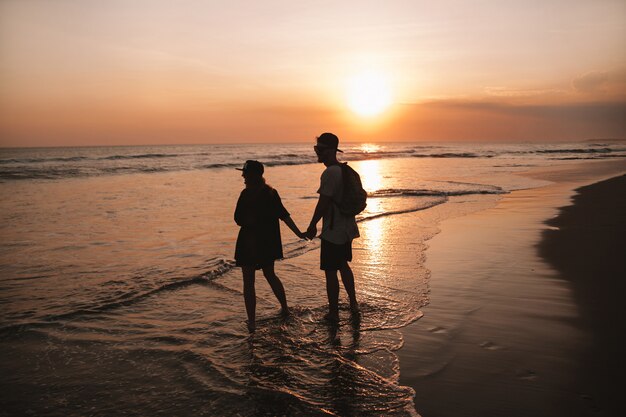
{"x": 252, "y": 167}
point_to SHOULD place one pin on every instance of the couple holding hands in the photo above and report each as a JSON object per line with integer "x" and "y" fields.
{"x": 259, "y": 244}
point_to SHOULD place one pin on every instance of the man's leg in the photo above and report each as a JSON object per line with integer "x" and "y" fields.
{"x": 277, "y": 286}
{"x": 332, "y": 290}
{"x": 347, "y": 277}
{"x": 249, "y": 295}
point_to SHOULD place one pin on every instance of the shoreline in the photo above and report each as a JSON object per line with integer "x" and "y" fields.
{"x": 502, "y": 333}
{"x": 587, "y": 247}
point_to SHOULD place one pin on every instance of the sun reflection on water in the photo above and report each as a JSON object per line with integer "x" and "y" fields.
{"x": 371, "y": 175}
{"x": 369, "y": 148}
{"x": 374, "y": 233}
{"x": 372, "y": 180}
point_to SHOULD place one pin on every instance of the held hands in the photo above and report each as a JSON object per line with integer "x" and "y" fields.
{"x": 296, "y": 231}
{"x": 305, "y": 235}
{"x": 311, "y": 232}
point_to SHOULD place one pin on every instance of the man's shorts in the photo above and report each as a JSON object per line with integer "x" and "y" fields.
{"x": 334, "y": 256}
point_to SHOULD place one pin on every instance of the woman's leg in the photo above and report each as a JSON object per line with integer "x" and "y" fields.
{"x": 249, "y": 295}
{"x": 277, "y": 286}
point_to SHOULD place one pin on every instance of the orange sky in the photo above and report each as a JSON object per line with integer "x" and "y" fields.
{"x": 87, "y": 72}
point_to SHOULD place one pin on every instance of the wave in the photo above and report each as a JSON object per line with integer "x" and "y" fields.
{"x": 300, "y": 247}
{"x": 213, "y": 166}
{"x": 131, "y": 170}
{"x": 601, "y": 151}
{"x": 294, "y": 366}
{"x": 39, "y": 174}
{"x": 396, "y": 192}
{"x": 453, "y": 155}
{"x": 41, "y": 160}
{"x": 96, "y": 164}
{"x": 85, "y": 158}
{"x": 596, "y": 157}
{"x": 220, "y": 267}
{"x": 139, "y": 156}
{"x": 61, "y": 173}
{"x": 288, "y": 163}
{"x": 217, "y": 269}
{"x": 402, "y": 211}
{"x": 575, "y": 150}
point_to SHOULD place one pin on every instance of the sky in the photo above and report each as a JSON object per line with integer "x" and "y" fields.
{"x": 92, "y": 72}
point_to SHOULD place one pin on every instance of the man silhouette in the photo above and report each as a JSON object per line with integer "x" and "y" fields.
{"x": 338, "y": 229}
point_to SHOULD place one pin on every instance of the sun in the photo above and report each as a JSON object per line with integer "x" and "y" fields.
{"x": 368, "y": 93}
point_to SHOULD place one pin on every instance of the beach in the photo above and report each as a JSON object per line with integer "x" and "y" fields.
{"x": 524, "y": 316}
{"x": 120, "y": 295}
{"x": 168, "y": 170}
{"x": 587, "y": 248}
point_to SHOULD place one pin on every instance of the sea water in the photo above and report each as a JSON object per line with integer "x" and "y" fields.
{"x": 119, "y": 295}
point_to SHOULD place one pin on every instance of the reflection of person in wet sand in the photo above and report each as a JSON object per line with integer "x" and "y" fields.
{"x": 338, "y": 229}
{"x": 345, "y": 373}
{"x": 258, "y": 245}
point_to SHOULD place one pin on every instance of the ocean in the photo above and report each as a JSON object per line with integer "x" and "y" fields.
{"x": 119, "y": 295}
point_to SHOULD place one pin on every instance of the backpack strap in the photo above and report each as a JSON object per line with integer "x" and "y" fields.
{"x": 333, "y": 202}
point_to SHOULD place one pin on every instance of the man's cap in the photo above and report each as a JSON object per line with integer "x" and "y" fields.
{"x": 252, "y": 166}
{"x": 328, "y": 140}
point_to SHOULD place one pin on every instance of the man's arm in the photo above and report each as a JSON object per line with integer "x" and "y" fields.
{"x": 323, "y": 203}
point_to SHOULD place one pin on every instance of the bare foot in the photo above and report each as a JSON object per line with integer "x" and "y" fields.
{"x": 251, "y": 326}
{"x": 332, "y": 317}
{"x": 354, "y": 308}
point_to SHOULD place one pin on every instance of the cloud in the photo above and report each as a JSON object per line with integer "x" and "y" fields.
{"x": 486, "y": 120}
{"x": 611, "y": 81}
{"x": 506, "y": 92}
{"x": 567, "y": 110}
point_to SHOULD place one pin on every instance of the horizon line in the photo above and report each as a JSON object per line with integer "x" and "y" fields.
{"x": 464, "y": 141}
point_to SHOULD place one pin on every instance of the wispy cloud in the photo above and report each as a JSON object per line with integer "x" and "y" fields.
{"x": 611, "y": 81}
{"x": 503, "y": 119}
{"x": 609, "y": 113}
{"x": 522, "y": 92}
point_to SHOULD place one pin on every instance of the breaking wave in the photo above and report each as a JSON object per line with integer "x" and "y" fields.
{"x": 24, "y": 164}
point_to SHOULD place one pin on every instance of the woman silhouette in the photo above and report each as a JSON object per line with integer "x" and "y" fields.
{"x": 258, "y": 244}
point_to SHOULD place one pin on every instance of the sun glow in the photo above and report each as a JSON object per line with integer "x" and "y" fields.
{"x": 368, "y": 94}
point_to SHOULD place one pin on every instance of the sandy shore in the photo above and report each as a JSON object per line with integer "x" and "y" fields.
{"x": 516, "y": 320}
{"x": 587, "y": 247}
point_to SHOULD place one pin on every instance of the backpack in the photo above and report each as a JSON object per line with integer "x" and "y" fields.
{"x": 354, "y": 196}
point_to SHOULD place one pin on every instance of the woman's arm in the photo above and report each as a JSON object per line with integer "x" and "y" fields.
{"x": 289, "y": 222}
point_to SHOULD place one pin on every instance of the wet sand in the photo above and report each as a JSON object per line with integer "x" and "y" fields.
{"x": 517, "y": 325}
{"x": 588, "y": 249}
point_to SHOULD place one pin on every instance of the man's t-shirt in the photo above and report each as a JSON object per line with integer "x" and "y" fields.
{"x": 344, "y": 227}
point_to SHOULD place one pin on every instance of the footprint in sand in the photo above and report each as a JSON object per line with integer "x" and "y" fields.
{"x": 592, "y": 402}
{"x": 490, "y": 346}
{"x": 437, "y": 329}
{"x": 526, "y": 374}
